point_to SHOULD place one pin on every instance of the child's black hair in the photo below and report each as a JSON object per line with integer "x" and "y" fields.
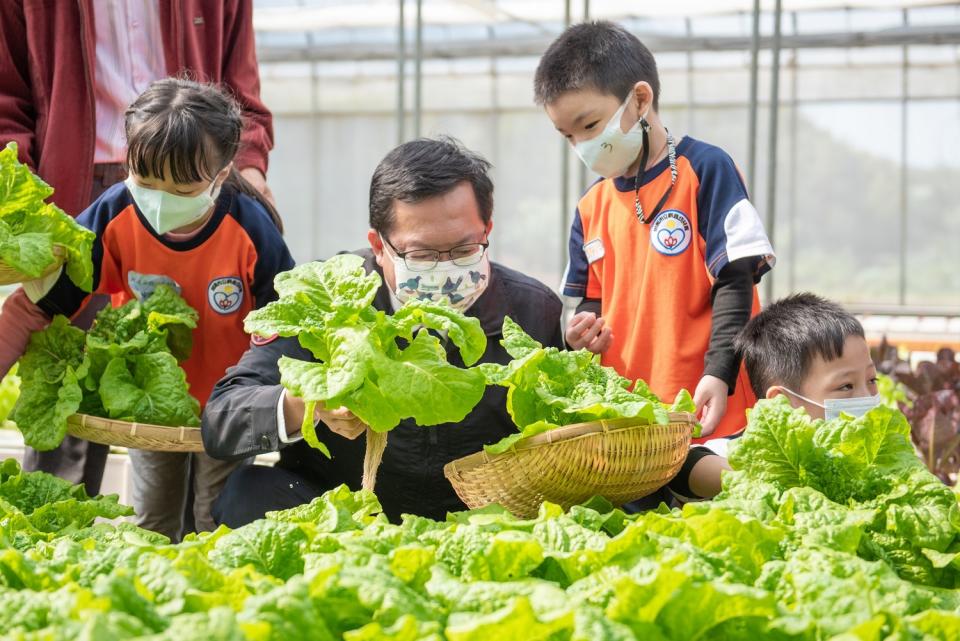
{"x": 779, "y": 344}
{"x": 190, "y": 128}
{"x": 595, "y": 55}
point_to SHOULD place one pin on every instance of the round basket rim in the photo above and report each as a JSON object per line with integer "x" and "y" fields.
{"x": 564, "y": 434}
{"x": 132, "y": 432}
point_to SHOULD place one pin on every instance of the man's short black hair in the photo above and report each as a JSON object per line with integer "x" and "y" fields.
{"x": 779, "y": 344}
{"x": 595, "y": 55}
{"x": 424, "y": 168}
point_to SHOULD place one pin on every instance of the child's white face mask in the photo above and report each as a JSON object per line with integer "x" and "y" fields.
{"x": 832, "y": 407}
{"x": 165, "y": 211}
{"x": 612, "y": 152}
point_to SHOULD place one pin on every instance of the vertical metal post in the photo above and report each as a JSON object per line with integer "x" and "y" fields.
{"x": 904, "y": 171}
{"x": 564, "y": 169}
{"x": 315, "y": 148}
{"x": 689, "y": 26}
{"x": 754, "y": 80}
{"x": 792, "y": 211}
{"x": 418, "y": 73}
{"x": 772, "y": 140}
{"x": 401, "y": 76}
{"x": 494, "y": 129}
{"x": 583, "y": 168}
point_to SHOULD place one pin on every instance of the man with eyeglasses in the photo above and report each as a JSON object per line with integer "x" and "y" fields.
{"x": 431, "y": 206}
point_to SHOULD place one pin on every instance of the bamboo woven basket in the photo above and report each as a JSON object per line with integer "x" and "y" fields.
{"x": 10, "y": 276}
{"x": 140, "y": 436}
{"x": 620, "y": 460}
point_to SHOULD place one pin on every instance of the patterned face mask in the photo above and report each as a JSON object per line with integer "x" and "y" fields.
{"x": 458, "y": 285}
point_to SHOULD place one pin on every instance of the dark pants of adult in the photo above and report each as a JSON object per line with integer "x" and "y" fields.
{"x": 253, "y": 490}
{"x": 76, "y": 460}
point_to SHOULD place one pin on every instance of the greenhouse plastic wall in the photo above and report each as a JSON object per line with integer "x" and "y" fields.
{"x": 863, "y": 131}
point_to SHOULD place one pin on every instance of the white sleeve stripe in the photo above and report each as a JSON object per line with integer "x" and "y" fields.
{"x": 761, "y": 249}
{"x": 745, "y": 234}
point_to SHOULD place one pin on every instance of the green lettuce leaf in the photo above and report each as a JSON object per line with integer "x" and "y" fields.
{"x": 30, "y": 227}
{"x": 50, "y": 371}
{"x": 507, "y": 442}
{"x": 168, "y": 312}
{"x": 148, "y": 388}
{"x": 9, "y": 393}
{"x": 287, "y": 612}
{"x": 406, "y": 628}
{"x": 125, "y": 368}
{"x": 548, "y": 388}
{"x": 382, "y": 368}
{"x": 337, "y": 510}
{"x": 515, "y": 621}
{"x": 269, "y": 547}
{"x": 879, "y": 492}
{"x": 164, "y": 321}
{"x": 840, "y": 591}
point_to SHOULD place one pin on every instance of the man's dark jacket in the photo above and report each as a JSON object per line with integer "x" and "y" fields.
{"x": 240, "y": 419}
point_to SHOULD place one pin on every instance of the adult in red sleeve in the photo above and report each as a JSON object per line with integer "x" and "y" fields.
{"x": 66, "y": 68}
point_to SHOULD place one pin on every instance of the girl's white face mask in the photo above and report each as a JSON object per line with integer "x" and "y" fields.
{"x": 832, "y": 407}
{"x": 166, "y": 212}
{"x": 611, "y": 153}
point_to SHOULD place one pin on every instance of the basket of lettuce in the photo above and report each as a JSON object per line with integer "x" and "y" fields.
{"x": 118, "y": 384}
{"x": 37, "y": 237}
{"x": 583, "y": 433}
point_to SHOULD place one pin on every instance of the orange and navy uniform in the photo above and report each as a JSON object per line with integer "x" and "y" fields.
{"x": 654, "y": 280}
{"x": 223, "y": 272}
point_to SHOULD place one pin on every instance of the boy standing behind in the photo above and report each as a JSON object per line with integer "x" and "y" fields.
{"x": 666, "y": 248}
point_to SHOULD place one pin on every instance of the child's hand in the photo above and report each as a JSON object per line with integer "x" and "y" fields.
{"x": 711, "y": 401}
{"x": 588, "y": 331}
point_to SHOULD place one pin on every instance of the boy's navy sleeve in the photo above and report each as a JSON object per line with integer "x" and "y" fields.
{"x": 728, "y": 221}
{"x": 577, "y": 274}
{"x": 65, "y": 297}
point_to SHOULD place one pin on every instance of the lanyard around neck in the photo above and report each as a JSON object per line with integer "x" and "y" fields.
{"x": 644, "y": 157}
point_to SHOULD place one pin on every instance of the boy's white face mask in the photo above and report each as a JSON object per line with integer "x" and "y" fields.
{"x": 165, "y": 211}
{"x": 832, "y": 407}
{"x": 612, "y": 152}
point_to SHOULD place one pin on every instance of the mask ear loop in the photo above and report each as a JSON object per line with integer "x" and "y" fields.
{"x": 803, "y": 398}
{"x": 644, "y": 157}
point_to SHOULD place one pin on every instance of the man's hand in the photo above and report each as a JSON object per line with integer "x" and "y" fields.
{"x": 588, "y": 331}
{"x": 711, "y": 401}
{"x": 256, "y": 178}
{"x": 341, "y": 420}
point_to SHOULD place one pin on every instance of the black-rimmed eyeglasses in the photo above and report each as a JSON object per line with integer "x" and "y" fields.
{"x": 421, "y": 260}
